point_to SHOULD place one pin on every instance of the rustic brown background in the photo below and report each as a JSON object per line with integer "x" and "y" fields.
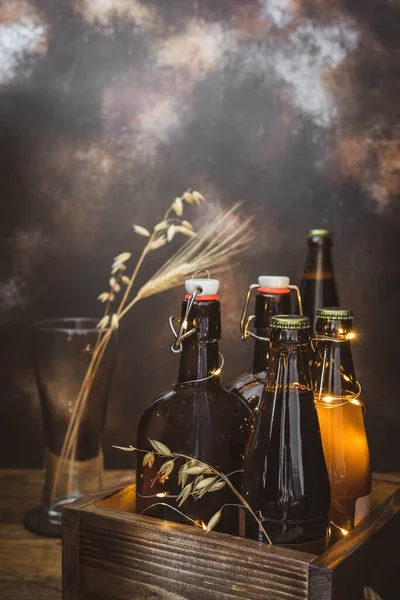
{"x": 110, "y": 108}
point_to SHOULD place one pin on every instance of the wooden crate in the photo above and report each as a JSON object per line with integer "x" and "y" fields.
{"x": 110, "y": 553}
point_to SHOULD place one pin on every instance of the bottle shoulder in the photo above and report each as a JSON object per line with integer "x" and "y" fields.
{"x": 181, "y": 396}
{"x": 250, "y": 387}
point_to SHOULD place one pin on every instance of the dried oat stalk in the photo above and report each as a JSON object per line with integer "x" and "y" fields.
{"x": 195, "y": 478}
{"x": 213, "y": 247}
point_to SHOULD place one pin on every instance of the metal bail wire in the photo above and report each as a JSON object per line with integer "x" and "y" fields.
{"x": 298, "y": 296}
{"x": 176, "y": 346}
{"x": 246, "y": 320}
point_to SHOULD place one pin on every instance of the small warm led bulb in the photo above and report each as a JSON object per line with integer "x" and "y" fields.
{"x": 161, "y": 494}
{"x": 355, "y": 401}
{"x": 351, "y": 335}
{"x": 344, "y": 531}
{"x": 328, "y": 399}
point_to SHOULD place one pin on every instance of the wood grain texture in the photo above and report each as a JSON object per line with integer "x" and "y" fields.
{"x": 30, "y": 566}
{"x": 124, "y": 556}
{"x": 369, "y": 555}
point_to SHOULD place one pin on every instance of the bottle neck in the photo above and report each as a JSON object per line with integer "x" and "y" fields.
{"x": 319, "y": 260}
{"x": 261, "y": 355}
{"x": 198, "y": 361}
{"x": 333, "y": 368}
{"x": 200, "y": 354}
{"x": 288, "y": 365}
{"x": 267, "y": 306}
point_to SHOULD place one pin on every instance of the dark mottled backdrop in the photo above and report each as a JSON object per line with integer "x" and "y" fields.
{"x": 110, "y": 108}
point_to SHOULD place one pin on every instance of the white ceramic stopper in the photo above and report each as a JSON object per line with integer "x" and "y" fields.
{"x": 209, "y": 286}
{"x": 273, "y": 282}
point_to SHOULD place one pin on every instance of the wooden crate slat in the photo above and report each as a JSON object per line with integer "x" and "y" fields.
{"x": 110, "y": 553}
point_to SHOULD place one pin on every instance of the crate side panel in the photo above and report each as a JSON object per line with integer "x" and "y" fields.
{"x": 140, "y": 553}
{"x": 368, "y": 556}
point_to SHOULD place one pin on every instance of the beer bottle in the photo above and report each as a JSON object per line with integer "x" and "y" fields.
{"x": 198, "y": 417}
{"x": 318, "y": 286}
{"x": 285, "y": 480}
{"x": 272, "y": 298}
{"x": 341, "y": 417}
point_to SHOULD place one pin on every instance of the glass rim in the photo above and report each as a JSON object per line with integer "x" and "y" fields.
{"x": 60, "y": 324}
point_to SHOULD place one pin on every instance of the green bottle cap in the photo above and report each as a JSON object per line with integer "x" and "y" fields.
{"x": 319, "y": 233}
{"x": 335, "y": 314}
{"x": 289, "y": 322}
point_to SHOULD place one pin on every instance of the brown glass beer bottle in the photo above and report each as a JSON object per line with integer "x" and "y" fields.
{"x": 285, "y": 480}
{"x": 198, "y": 417}
{"x": 272, "y": 298}
{"x": 341, "y": 419}
{"x": 318, "y": 286}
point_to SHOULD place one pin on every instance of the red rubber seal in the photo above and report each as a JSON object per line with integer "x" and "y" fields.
{"x": 203, "y": 298}
{"x": 273, "y": 290}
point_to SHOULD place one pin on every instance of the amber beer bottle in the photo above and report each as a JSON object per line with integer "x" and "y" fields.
{"x": 341, "y": 417}
{"x": 318, "y": 286}
{"x": 272, "y": 298}
{"x": 198, "y": 417}
{"x": 286, "y": 480}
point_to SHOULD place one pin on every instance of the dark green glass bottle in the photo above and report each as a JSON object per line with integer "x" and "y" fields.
{"x": 198, "y": 417}
{"x": 286, "y": 480}
{"x": 318, "y": 286}
{"x": 272, "y": 298}
{"x": 341, "y": 418}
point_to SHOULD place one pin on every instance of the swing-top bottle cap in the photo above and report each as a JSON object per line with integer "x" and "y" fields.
{"x": 333, "y": 313}
{"x": 209, "y": 287}
{"x": 275, "y": 282}
{"x": 289, "y": 322}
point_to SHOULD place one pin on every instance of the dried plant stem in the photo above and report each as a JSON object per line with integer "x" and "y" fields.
{"x": 175, "y": 509}
{"x": 77, "y": 411}
{"x": 213, "y": 247}
{"x": 209, "y": 469}
{"x": 244, "y": 502}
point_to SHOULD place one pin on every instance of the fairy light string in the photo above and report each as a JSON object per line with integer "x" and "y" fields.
{"x": 328, "y": 401}
{"x": 214, "y": 373}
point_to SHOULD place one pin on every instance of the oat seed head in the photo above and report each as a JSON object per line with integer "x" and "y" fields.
{"x": 214, "y": 247}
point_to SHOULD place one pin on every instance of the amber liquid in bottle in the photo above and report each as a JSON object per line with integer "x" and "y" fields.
{"x": 318, "y": 286}
{"x": 286, "y": 480}
{"x": 250, "y": 385}
{"x": 341, "y": 419}
{"x": 199, "y": 419}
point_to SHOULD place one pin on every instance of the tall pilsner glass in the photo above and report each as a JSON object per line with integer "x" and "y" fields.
{"x": 62, "y": 351}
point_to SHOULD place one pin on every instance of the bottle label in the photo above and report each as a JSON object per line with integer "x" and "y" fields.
{"x": 363, "y": 506}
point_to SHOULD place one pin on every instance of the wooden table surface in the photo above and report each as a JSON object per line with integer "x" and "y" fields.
{"x": 30, "y": 566}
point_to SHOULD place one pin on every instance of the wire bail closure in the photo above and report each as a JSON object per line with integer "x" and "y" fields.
{"x": 245, "y": 320}
{"x": 176, "y": 346}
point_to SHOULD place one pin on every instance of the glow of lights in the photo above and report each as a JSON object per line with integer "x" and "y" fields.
{"x": 351, "y": 335}
{"x": 328, "y": 399}
{"x": 201, "y": 524}
{"x": 184, "y": 324}
{"x": 355, "y": 401}
{"x": 161, "y": 494}
{"x": 218, "y": 371}
{"x": 344, "y": 531}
